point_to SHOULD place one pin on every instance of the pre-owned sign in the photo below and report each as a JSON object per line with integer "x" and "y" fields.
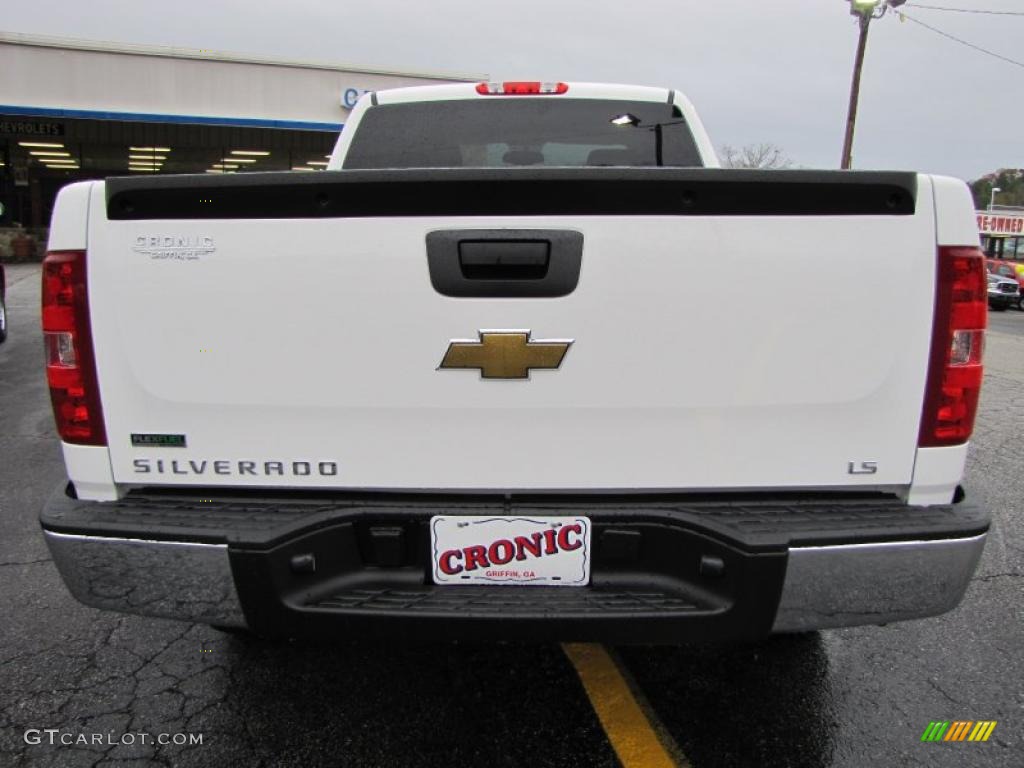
{"x": 993, "y": 223}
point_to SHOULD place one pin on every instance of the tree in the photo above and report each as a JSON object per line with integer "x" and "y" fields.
{"x": 1011, "y": 188}
{"x": 764, "y": 155}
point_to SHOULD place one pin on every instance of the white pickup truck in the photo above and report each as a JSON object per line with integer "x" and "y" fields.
{"x": 492, "y": 375}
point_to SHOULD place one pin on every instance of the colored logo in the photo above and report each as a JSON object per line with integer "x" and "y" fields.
{"x": 505, "y": 354}
{"x": 958, "y": 730}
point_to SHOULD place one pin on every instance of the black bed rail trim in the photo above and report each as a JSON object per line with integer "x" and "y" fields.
{"x": 513, "y": 192}
{"x": 769, "y": 524}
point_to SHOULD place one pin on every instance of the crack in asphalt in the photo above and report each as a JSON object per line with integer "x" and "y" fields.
{"x": 941, "y": 690}
{"x": 129, "y": 709}
{"x": 989, "y": 577}
{"x": 26, "y": 562}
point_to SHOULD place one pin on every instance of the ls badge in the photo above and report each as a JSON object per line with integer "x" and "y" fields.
{"x": 505, "y": 354}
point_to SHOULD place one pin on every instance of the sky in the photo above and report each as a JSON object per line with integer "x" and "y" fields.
{"x": 756, "y": 71}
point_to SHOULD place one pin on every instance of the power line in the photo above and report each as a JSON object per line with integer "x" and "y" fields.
{"x": 966, "y": 10}
{"x": 963, "y": 42}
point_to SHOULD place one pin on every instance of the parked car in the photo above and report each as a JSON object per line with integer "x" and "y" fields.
{"x": 3, "y": 306}
{"x": 1011, "y": 270}
{"x": 1002, "y": 292}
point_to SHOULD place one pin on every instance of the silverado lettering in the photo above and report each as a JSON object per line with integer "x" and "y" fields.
{"x": 225, "y": 467}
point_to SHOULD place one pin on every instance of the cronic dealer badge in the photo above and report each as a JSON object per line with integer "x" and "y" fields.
{"x": 174, "y": 247}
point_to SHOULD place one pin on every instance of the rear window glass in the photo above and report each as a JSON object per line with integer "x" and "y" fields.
{"x": 501, "y": 132}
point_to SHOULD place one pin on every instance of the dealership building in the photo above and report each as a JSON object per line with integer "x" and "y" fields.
{"x": 72, "y": 109}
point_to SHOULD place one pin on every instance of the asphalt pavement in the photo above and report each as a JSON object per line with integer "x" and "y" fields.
{"x": 837, "y": 698}
{"x": 1008, "y": 321}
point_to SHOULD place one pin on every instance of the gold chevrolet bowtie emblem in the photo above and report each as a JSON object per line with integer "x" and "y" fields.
{"x": 505, "y": 354}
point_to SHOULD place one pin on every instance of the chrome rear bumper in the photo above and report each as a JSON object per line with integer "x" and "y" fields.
{"x": 851, "y": 584}
{"x": 174, "y": 580}
{"x": 825, "y": 586}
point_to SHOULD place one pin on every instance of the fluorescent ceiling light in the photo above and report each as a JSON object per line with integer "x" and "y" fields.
{"x": 48, "y": 153}
{"x": 253, "y": 152}
{"x": 229, "y": 166}
{"x": 61, "y": 162}
{"x": 40, "y": 144}
{"x": 153, "y": 158}
{"x": 316, "y": 162}
{"x": 149, "y": 149}
{"x": 144, "y": 170}
{"x": 302, "y": 168}
{"x": 239, "y": 160}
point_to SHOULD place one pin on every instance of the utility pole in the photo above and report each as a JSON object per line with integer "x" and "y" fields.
{"x": 851, "y": 112}
{"x": 865, "y": 11}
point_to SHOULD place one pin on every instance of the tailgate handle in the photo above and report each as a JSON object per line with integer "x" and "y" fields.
{"x": 504, "y": 263}
{"x": 504, "y": 259}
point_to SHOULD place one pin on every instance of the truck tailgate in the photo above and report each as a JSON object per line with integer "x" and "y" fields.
{"x": 728, "y": 345}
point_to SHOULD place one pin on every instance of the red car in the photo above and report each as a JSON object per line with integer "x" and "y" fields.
{"x": 1012, "y": 269}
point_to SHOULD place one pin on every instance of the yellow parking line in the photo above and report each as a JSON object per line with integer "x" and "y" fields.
{"x": 629, "y": 729}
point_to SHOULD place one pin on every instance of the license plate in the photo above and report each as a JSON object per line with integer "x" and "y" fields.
{"x": 552, "y": 551}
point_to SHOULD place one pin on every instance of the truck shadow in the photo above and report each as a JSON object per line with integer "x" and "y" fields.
{"x": 409, "y": 704}
{"x": 768, "y": 703}
{"x": 365, "y": 703}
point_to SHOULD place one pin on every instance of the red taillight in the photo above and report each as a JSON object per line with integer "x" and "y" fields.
{"x": 958, "y": 337}
{"x": 70, "y": 365}
{"x": 521, "y": 88}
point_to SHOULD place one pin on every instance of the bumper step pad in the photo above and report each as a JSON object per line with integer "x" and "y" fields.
{"x": 510, "y": 601}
